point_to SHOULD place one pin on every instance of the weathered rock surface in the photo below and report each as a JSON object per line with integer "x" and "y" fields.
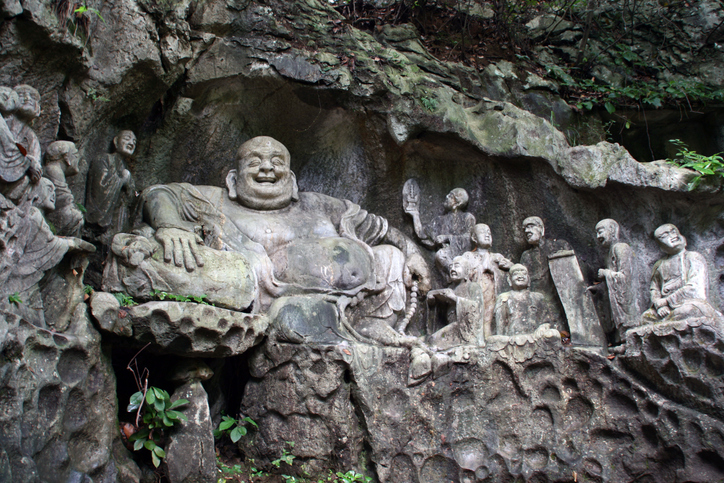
{"x": 302, "y": 394}
{"x": 183, "y": 328}
{"x": 362, "y": 113}
{"x": 683, "y": 360}
{"x": 516, "y": 409}
{"x": 190, "y": 456}
{"x": 58, "y": 406}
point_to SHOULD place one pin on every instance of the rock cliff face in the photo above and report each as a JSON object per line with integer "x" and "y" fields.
{"x": 513, "y": 411}
{"x": 360, "y": 114}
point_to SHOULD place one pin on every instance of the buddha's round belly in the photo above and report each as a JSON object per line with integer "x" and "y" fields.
{"x": 327, "y": 263}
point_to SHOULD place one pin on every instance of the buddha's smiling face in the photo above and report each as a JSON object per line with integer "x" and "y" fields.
{"x": 264, "y": 179}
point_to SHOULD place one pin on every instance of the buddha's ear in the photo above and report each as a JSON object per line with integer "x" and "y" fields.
{"x": 231, "y": 183}
{"x": 295, "y": 187}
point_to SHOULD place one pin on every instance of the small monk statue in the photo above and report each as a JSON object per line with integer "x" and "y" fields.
{"x": 680, "y": 281}
{"x": 520, "y": 311}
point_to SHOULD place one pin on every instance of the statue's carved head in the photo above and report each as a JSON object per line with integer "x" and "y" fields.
{"x": 264, "y": 180}
{"x": 459, "y": 269}
{"x": 125, "y": 143}
{"x": 28, "y": 106}
{"x": 481, "y": 236}
{"x": 670, "y": 239}
{"x": 534, "y": 230}
{"x": 43, "y": 195}
{"x": 65, "y": 153}
{"x": 607, "y": 232}
{"x": 456, "y": 199}
{"x": 518, "y": 277}
{"x": 8, "y": 100}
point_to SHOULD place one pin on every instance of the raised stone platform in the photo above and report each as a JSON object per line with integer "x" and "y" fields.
{"x": 183, "y": 328}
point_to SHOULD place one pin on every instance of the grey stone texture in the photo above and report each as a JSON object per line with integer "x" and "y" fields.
{"x": 196, "y": 79}
{"x": 585, "y": 416}
{"x": 58, "y": 406}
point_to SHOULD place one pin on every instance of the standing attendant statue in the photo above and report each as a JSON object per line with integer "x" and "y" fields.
{"x": 61, "y": 161}
{"x": 487, "y": 270}
{"x": 536, "y": 260}
{"x": 618, "y": 277}
{"x": 108, "y": 179}
{"x": 449, "y": 233}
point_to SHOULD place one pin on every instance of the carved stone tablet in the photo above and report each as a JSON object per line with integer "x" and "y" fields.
{"x": 577, "y": 302}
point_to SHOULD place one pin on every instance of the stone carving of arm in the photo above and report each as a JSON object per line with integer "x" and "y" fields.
{"x": 411, "y": 205}
{"x": 162, "y": 209}
{"x": 659, "y": 303}
{"x": 544, "y": 311}
{"x": 413, "y": 259}
{"x": 620, "y": 273}
{"x": 502, "y": 262}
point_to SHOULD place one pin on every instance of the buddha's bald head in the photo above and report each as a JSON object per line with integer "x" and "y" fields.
{"x": 264, "y": 180}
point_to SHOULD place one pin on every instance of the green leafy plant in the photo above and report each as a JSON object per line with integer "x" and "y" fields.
{"x": 81, "y": 208}
{"x": 158, "y": 413}
{"x": 235, "y": 428}
{"x": 286, "y": 457}
{"x": 87, "y": 289}
{"x": 352, "y": 476}
{"x": 201, "y": 299}
{"x": 255, "y": 472}
{"x": 430, "y": 103}
{"x": 124, "y": 299}
{"x": 15, "y": 299}
{"x": 707, "y": 166}
{"x": 227, "y": 472}
{"x": 95, "y": 96}
{"x": 155, "y": 412}
{"x": 85, "y": 9}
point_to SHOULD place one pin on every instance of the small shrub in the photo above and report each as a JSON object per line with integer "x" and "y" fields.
{"x": 286, "y": 457}
{"x": 235, "y": 428}
{"x": 707, "y": 166}
{"x": 158, "y": 414}
{"x": 124, "y": 299}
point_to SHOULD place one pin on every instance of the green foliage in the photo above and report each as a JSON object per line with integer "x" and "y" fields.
{"x": 430, "y": 103}
{"x": 124, "y": 299}
{"x": 179, "y": 298}
{"x": 707, "y": 166}
{"x": 256, "y": 472}
{"x": 84, "y": 9}
{"x": 351, "y": 476}
{"x": 87, "y": 289}
{"x": 226, "y": 471}
{"x": 637, "y": 92}
{"x": 81, "y": 208}
{"x": 235, "y": 428}
{"x": 15, "y": 299}
{"x": 158, "y": 414}
{"x": 95, "y": 96}
{"x": 286, "y": 457}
